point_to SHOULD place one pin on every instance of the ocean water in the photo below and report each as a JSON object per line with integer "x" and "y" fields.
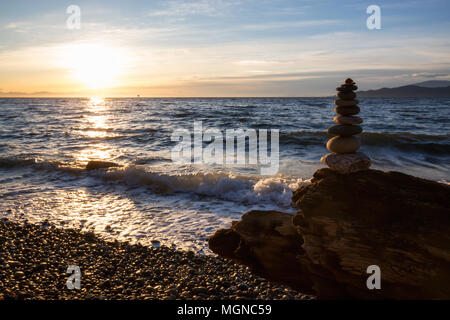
{"x": 45, "y": 145}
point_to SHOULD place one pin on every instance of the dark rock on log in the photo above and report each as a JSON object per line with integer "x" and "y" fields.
{"x": 269, "y": 244}
{"x": 345, "y": 223}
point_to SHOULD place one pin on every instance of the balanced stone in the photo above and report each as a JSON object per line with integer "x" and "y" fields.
{"x": 347, "y": 110}
{"x": 346, "y": 103}
{"x": 347, "y": 88}
{"x": 348, "y": 120}
{"x": 344, "y": 130}
{"x": 346, "y": 163}
{"x": 346, "y": 95}
{"x": 343, "y": 144}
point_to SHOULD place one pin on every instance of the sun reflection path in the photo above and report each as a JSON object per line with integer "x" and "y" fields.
{"x": 97, "y": 126}
{"x": 96, "y": 101}
{"x": 98, "y": 151}
{"x": 95, "y": 212}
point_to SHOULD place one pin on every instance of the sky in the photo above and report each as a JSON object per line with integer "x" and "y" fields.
{"x": 218, "y": 48}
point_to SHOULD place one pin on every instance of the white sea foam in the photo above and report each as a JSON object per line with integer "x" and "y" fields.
{"x": 223, "y": 185}
{"x": 250, "y": 189}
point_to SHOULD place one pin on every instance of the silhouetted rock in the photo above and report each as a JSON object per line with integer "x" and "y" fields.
{"x": 268, "y": 242}
{"x": 94, "y": 164}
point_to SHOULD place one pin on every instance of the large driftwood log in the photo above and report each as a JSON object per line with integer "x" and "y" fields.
{"x": 346, "y": 223}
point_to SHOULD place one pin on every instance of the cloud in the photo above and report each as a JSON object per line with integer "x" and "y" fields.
{"x": 16, "y": 26}
{"x": 386, "y": 73}
{"x": 255, "y": 62}
{"x": 27, "y": 94}
{"x": 430, "y": 75}
{"x": 409, "y": 4}
{"x": 199, "y": 7}
{"x": 289, "y": 24}
{"x": 11, "y": 25}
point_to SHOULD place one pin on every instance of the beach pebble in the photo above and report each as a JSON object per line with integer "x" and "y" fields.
{"x": 343, "y": 144}
{"x": 348, "y": 120}
{"x": 243, "y": 287}
{"x": 344, "y": 130}
{"x": 346, "y": 103}
{"x": 347, "y": 110}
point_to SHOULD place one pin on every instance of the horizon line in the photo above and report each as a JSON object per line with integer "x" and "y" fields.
{"x": 163, "y": 97}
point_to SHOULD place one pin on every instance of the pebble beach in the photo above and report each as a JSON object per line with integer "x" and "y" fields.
{"x": 35, "y": 258}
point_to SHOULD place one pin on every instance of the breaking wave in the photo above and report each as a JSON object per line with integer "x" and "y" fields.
{"x": 223, "y": 185}
{"x": 276, "y": 190}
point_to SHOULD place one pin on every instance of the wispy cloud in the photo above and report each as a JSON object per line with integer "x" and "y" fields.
{"x": 431, "y": 75}
{"x": 198, "y": 7}
{"x": 289, "y": 24}
{"x": 16, "y": 26}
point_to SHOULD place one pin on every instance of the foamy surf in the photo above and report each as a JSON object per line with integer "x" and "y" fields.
{"x": 276, "y": 190}
{"x": 222, "y": 185}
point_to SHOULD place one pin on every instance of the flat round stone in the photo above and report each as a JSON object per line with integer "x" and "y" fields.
{"x": 348, "y": 120}
{"x": 346, "y": 95}
{"x": 347, "y": 111}
{"x": 346, "y": 163}
{"x": 346, "y": 103}
{"x": 345, "y": 87}
{"x": 343, "y": 144}
{"x": 344, "y": 130}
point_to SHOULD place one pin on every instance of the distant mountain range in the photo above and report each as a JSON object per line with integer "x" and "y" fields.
{"x": 426, "y": 89}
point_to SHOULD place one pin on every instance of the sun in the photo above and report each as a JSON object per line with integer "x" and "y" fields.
{"x": 94, "y": 65}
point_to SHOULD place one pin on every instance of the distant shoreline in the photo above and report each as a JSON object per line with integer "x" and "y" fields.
{"x": 426, "y": 89}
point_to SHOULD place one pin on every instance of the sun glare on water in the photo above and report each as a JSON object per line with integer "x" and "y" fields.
{"x": 96, "y": 101}
{"x": 95, "y": 66}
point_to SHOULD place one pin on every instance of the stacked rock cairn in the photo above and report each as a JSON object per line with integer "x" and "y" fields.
{"x": 344, "y": 146}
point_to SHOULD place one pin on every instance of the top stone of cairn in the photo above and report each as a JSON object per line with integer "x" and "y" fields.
{"x": 348, "y": 85}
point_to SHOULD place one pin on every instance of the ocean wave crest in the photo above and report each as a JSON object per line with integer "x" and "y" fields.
{"x": 276, "y": 190}
{"x": 223, "y": 185}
